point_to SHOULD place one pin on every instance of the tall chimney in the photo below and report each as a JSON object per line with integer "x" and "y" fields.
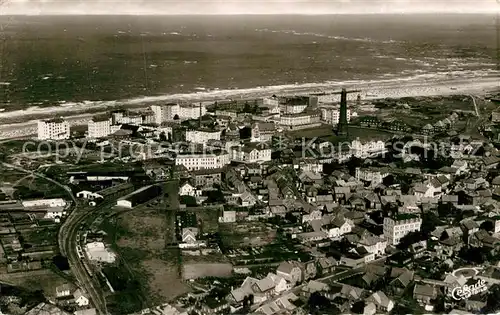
{"x": 199, "y": 122}
{"x": 342, "y": 126}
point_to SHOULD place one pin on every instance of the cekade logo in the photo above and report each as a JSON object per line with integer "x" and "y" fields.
{"x": 466, "y": 291}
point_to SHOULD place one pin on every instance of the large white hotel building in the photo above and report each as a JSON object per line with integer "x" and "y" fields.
{"x": 53, "y": 129}
{"x": 331, "y": 114}
{"x": 199, "y": 161}
{"x": 202, "y": 136}
{"x": 99, "y": 127}
{"x": 397, "y": 227}
{"x": 172, "y": 111}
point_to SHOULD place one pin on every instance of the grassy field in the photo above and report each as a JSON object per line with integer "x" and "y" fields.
{"x": 207, "y": 218}
{"x": 147, "y": 234}
{"x": 322, "y": 131}
{"x": 245, "y": 235}
{"x": 419, "y": 111}
{"x": 33, "y": 187}
{"x": 41, "y": 237}
{"x": 9, "y": 176}
{"x": 44, "y": 280}
{"x": 143, "y": 239}
{"x": 327, "y": 133}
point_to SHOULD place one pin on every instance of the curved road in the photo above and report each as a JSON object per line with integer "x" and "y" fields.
{"x": 475, "y": 105}
{"x": 67, "y": 241}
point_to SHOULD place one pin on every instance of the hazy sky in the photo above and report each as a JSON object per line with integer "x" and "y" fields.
{"x": 245, "y": 6}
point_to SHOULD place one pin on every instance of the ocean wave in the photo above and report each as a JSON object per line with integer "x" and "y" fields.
{"x": 336, "y": 37}
{"x": 410, "y": 80}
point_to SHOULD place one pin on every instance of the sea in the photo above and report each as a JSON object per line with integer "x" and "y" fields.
{"x": 60, "y": 60}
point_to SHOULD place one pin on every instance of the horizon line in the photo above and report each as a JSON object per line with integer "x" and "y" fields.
{"x": 251, "y": 14}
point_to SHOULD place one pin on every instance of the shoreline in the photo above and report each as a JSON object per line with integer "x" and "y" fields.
{"x": 23, "y": 123}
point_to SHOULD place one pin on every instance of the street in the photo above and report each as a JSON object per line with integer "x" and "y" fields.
{"x": 68, "y": 242}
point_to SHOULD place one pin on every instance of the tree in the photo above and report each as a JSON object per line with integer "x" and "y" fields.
{"x": 318, "y": 304}
{"x": 358, "y": 307}
{"x": 429, "y": 223}
{"x": 245, "y": 133}
{"x": 61, "y": 262}
{"x": 291, "y": 218}
{"x": 472, "y": 255}
{"x": 409, "y": 239}
{"x": 445, "y": 210}
{"x": 189, "y": 201}
{"x": 215, "y": 196}
{"x": 487, "y": 225}
{"x": 493, "y": 300}
{"x": 353, "y": 163}
{"x": 388, "y": 180}
{"x": 163, "y": 136}
{"x": 176, "y": 117}
{"x": 256, "y": 109}
{"x": 247, "y": 108}
{"x": 480, "y": 151}
{"x": 248, "y": 301}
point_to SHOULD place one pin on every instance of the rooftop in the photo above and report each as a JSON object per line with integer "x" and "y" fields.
{"x": 55, "y": 121}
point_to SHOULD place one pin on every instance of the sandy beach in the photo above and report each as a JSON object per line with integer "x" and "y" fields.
{"x": 80, "y": 114}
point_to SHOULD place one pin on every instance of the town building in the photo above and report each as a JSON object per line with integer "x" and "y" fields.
{"x": 228, "y": 217}
{"x": 374, "y": 176}
{"x": 291, "y": 106}
{"x": 99, "y": 127}
{"x": 293, "y": 121}
{"x": 271, "y": 102}
{"x": 331, "y": 114}
{"x": 365, "y": 150}
{"x": 202, "y": 136}
{"x": 81, "y": 298}
{"x": 291, "y": 271}
{"x": 199, "y": 161}
{"x": 55, "y": 213}
{"x": 139, "y": 196}
{"x": 187, "y": 189}
{"x": 51, "y": 203}
{"x": 53, "y": 129}
{"x": 191, "y": 111}
{"x": 125, "y": 117}
{"x": 251, "y": 153}
{"x": 148, "y": 117}
{"x": 63, "y": 290}
{"x": 207, "y": 177}
{"x": 164, "y": 113}
{"x": 262, "y": 131}
{"x": 96, "y": 251}
{"x": 398, "y": 226}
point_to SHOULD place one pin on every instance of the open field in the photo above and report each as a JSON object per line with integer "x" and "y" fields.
{"x": 9, "y": 176}
{"x": 44, "y": 280}
{"x": 141, "y": 243}
{"x": 419, "y": 111}
{"x": 263, "y": 248}
{"x": 40, "y": 237}
{"x": 327, "y": 133}
{"x": 146, "y": 227}
{"x": 33, "y": 187}
{"x": 206, "y": 219}
{"x": 246, "y": 234}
